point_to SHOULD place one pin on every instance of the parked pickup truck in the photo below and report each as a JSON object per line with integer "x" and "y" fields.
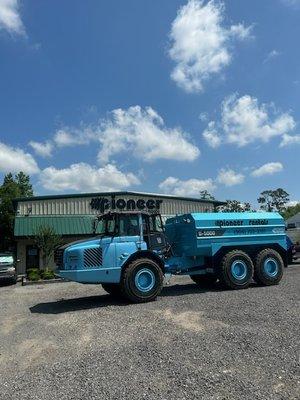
{"x": 7, "y": 268}
{"x": 133, "y": 251}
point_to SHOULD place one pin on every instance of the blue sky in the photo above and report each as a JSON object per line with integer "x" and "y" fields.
{"x": 158, "y": 96}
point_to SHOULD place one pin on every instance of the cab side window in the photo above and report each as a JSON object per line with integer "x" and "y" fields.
{"x": 129, "y": 225}
{"x": 155, "y": 224}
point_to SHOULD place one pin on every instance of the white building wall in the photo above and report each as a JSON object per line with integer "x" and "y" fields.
{"x": 81, "y": 206}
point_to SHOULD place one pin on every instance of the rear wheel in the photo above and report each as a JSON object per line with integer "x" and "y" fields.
{"x": 236, "y": 270}
{"x": 142, "y": 280}
{"x": 113, "y": 289}
{"x": 268, "y": 268}
{"x": 204, "y": 280}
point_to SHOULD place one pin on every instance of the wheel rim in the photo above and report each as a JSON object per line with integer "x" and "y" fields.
{"x": 239, "y": 270}
{"x": 271, "y": 267}
{"x": 144, "y": 280}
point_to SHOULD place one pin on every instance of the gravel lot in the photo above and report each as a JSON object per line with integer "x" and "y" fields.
{"x": 72, "y": 341}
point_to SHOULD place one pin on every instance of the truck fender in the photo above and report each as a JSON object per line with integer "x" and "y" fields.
{"x": 145, "y": 254}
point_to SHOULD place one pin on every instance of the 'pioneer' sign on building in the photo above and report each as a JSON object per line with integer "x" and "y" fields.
{"x": 103, "y": 204}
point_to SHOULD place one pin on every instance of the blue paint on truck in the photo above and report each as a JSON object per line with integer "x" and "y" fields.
{"x": 133, "y": 251}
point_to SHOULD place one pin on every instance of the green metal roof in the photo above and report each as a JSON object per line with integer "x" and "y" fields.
{"x": 63, "y": 225}
{"x": 121, "y": 193}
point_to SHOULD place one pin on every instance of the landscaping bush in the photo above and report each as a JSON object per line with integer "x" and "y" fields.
{"x": 33, "y": 274}
{"x": 47, "y": 274}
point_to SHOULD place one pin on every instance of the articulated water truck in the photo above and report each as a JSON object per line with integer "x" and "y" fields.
{"x": 131, "y": 251}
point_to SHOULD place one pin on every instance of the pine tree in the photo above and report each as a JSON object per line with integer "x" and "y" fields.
{"x": 11, "y": 188}
{"x": 23, "y": 182}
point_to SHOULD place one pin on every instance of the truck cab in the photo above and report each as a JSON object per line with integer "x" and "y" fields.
{"x": 131, "y": 252}
{"x": 127, "y": 226}
{"x": 119, "y": 239}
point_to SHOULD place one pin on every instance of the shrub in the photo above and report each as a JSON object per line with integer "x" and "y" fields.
{"x": 47, "y": 274}
{"x": 33, "y": 274}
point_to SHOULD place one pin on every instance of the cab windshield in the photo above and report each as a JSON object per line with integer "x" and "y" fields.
{"x": 128, "y": 224}
{"x": 106, "y": 225}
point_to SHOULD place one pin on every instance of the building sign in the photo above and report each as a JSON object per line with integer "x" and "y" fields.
{"x": 102, "y": 204}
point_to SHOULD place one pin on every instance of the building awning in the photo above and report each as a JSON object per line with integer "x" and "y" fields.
{"x": 62, "y": 225}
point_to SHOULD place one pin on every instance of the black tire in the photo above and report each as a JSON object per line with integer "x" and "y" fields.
{"x": 204, "y": 280}
{"x": 271, "y": 275}
{"x": 113, "y": 289}
{"x": 232, "y": 260}
{"x": 134, "y": 273}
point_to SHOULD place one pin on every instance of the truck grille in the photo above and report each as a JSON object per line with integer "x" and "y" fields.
{"x": 59, "y": 258}
{"x": 92, "y": 257}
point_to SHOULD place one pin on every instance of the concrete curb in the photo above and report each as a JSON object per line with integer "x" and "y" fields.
{"x": 26, "y": 282}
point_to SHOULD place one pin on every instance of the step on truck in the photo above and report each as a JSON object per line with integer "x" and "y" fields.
{"x": 131, "y": 252}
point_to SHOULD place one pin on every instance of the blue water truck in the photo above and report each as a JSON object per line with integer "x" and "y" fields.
{"x": 131, "y": 252}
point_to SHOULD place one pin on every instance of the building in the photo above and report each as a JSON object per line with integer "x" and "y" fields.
{"x": 71, "y": 215}
{"x": 293, "y": 222}
{"x": 293, "y": 228}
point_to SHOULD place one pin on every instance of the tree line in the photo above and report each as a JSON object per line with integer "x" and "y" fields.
{"x": 269, "y": 200}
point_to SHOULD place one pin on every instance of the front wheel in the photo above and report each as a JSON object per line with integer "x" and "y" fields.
{"x": 268, "y": 269}
{"x": 236, "y": 270}
{"x": 142, "y": 280}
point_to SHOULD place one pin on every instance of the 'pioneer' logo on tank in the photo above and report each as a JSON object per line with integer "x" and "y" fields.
{"x": 224, "y": 222}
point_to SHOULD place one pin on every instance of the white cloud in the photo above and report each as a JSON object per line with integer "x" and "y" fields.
{"x": 83, "y": 177}
{"x": 292, "y": 203}
{"x": 15, "y": 160}
{"x": 73, "y": 136}
{"x": 135, "y": 131}
{"x": 200, "y": 43}
{"x": 229, "y": 177}
{"x": 203, "y": 117}
{"x": 189, "y": 187}
{"x": 271, "y": 55}
{"x": 267, "y": 169}
{"x": 10, "y": 19}
{"x": 142, "y": 133}
{"x": 212, "y": 136}
{"x": 43, "y": 149}
{"x": 288, "y": 140}
{"x": 245, "y": 121}
{"x": 240, "y": 31}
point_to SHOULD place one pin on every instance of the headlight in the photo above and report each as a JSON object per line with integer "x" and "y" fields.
{"x": 11, "y": 269}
